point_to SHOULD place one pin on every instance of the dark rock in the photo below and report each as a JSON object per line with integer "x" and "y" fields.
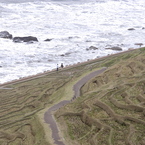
{"x": 25, "y": 39}
{"x": 143, "y": 27}
{"x": 5, "y": 34}
{"x": 48, "y": 40}
{"x": 70, "y": 37}
{"x": 88, "y": 41}
{"x": 139, "y": 44}
{"x": 92, "y": 48}
{"x": 68, "y": 53}
{"x": 115, "y": 48}
{"x": 131, "y": 29}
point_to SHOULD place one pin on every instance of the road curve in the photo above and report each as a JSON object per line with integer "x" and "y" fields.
{"x": 48, "y": 116}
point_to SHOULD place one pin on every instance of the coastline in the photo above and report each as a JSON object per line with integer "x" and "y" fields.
{"x": 31, "y": 77}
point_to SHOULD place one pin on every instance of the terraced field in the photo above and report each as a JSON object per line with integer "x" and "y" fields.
{"x": 19, "y": 105}
{"x": 22, "y": 102}
{"x": 111, "y": 107}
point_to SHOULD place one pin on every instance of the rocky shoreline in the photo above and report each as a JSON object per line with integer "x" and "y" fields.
{"x": 54, "y": 70}
{"x": 32, "y": 39}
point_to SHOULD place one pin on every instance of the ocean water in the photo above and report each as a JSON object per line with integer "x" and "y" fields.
{"x": 73, "y": 26}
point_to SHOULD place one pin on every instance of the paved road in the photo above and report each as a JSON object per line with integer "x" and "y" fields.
{"x": 48, "y": 116}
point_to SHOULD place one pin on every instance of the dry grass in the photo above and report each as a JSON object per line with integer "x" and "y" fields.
{"x": 22, "y": 107}
{"x": 94, "y": 118}
{"x": 111, "y": 109}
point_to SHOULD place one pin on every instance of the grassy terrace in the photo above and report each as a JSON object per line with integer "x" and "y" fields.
{"x": 110, "y": 110}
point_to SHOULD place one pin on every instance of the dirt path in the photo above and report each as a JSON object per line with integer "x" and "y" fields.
{"x": 48, "y": 116}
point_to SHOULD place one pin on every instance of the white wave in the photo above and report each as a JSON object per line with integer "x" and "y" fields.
{"x": 72, "y": 25}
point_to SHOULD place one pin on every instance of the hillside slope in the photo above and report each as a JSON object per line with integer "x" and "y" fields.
{"x": 24, "y": 102}
{"x": 111, "y": 107}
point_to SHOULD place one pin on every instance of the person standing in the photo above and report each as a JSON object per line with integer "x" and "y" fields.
{"x": 62, "y": 65}
{"x": 57, "y": 68}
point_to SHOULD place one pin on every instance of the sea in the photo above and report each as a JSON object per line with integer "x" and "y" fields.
{"x": 72, "y": 26}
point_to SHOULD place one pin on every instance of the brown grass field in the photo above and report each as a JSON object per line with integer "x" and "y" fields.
{"x": 109, "y": 111}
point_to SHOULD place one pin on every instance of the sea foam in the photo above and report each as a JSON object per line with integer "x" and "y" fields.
{"x": 73, "y": 26}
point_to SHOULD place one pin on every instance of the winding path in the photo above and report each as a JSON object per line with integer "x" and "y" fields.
{"x": 48, "y": 116}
